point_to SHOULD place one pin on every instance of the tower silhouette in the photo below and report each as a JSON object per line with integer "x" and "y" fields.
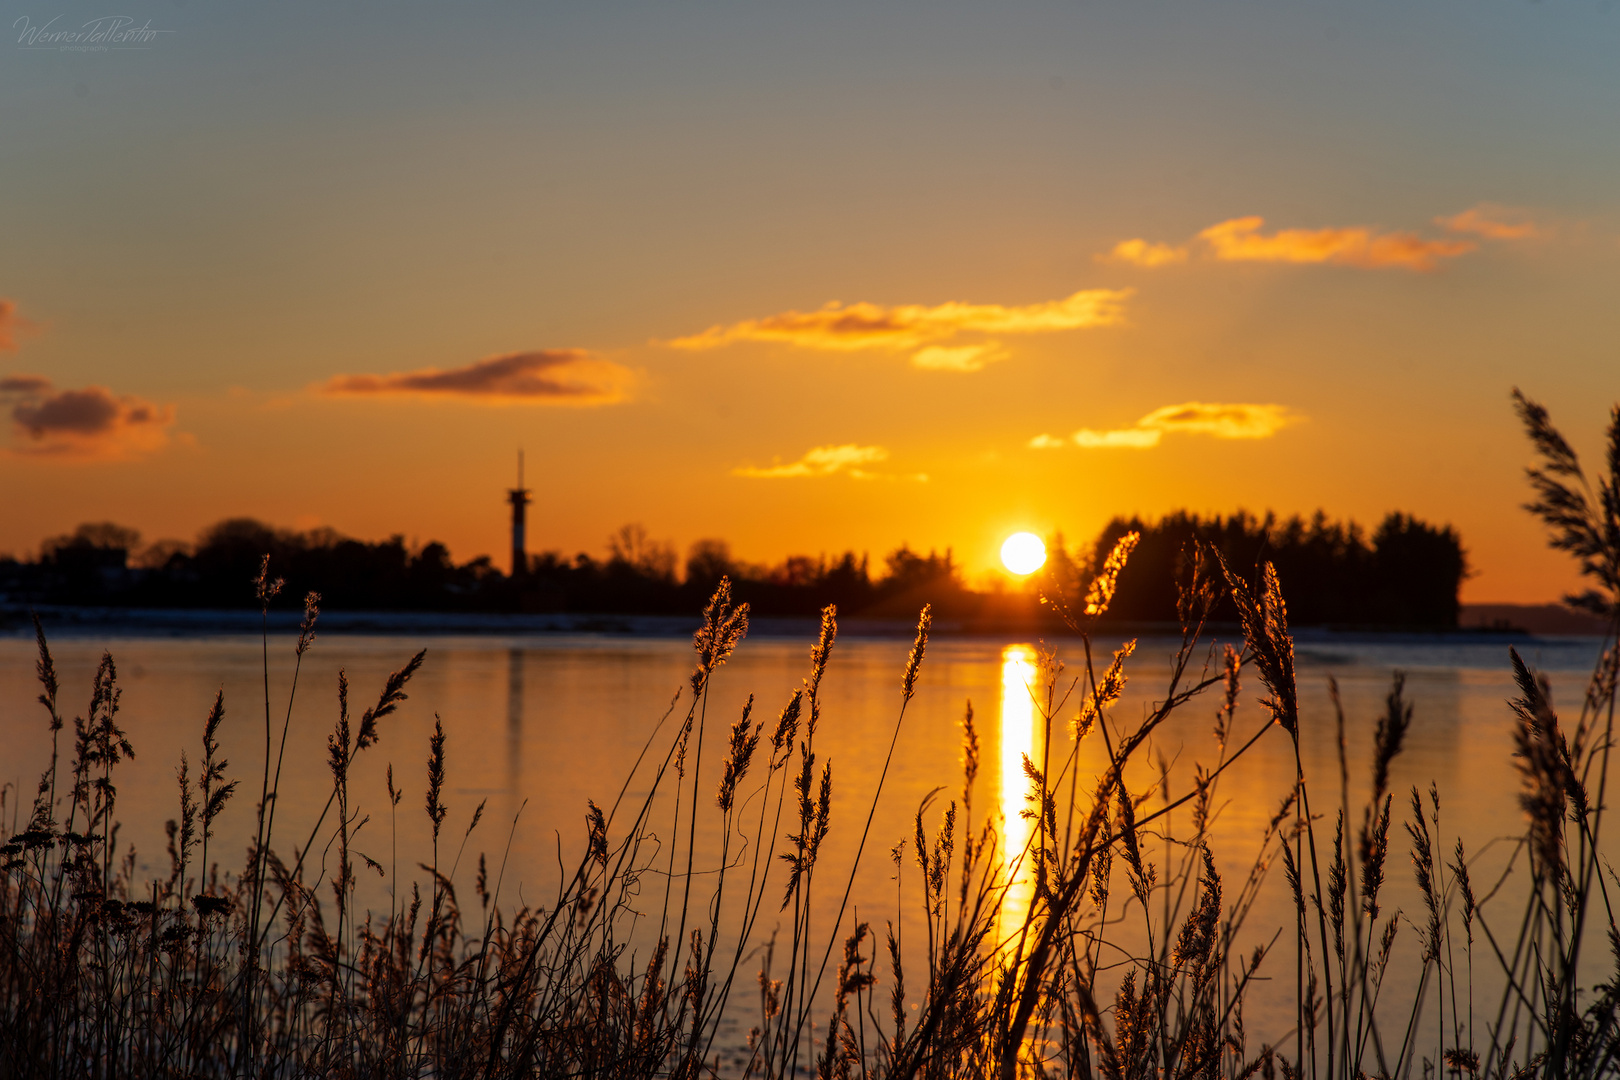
{"x": 519, "y": 498}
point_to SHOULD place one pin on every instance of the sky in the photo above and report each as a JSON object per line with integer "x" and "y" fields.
{"x": 807, "y": 277}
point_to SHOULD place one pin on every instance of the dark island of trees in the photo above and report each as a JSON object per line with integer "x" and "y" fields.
{"x": 1404, "y": 574}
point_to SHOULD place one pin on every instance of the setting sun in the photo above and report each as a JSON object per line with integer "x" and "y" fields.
{"x": 1023, "y": 553}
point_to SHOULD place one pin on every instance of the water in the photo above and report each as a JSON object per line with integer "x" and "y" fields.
{"x": 536, "y": 725}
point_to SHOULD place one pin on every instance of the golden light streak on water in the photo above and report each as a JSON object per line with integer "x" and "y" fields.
{"x": 1018, "y": 737}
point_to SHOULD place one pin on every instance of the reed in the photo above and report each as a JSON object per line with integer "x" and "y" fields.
{"x": 1038, "y": 961}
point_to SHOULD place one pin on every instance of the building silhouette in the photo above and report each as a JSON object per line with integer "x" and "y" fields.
{"x": 519, "y": 498}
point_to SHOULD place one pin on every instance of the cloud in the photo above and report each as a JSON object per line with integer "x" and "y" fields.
{"x": 958, "y": 357}
{"x": 1240, "y": 240}
{"x": 1493, "y": 222}
{"x": 1136, "y": 438}
{"x": 12, "y": 325}
{"x": 548, "y": 377}
{"x": 873, "y": 326}
{"x": 87, "y": 423}
{"x": 1138, "y": 252}
{"x": 1223, "y": 421}
{"x": 827, "y": 460}
{"x": 24, "y": 384}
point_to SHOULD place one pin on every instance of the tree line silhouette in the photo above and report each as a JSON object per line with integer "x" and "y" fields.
{"x": 1406, "y": 573}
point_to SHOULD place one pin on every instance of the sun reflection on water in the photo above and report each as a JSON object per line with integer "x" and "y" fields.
{"x": 1018, "y": 737}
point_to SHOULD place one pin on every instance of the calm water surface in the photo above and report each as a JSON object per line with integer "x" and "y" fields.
{"x": 538, "y": 725}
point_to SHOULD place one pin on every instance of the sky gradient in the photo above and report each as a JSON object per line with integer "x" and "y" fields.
{"x": 805, "y": 277}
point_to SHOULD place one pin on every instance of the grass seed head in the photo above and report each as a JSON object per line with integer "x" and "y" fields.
{"x": 908, "y": 684}
{"x": 822, "y": 649}
{"x": 306, "y": 628}
{"x": 1104, "y": 585}
{"x": 265, "y": 587}
{"x": 435, "y": 803}
{"x": 723, "y": 627}
{"x": 1465, "y": 888}
{"x": 1264, "y": 616}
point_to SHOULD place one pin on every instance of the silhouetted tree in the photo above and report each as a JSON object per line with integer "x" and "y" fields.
{"x": 1419, "y": 570}
{"x": 707, "y": 561}
{"x": 1408, "y": 576}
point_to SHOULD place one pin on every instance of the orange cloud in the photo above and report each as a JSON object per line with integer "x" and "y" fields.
{"x": 848, "y": 459}
{"x": 87, "y": 423}
{"x": 1138, "y": 252}
{"x": 1493, "y": 222}
{"x": 872, "y": 326}
{"x": 1240, "y": 240}
{"x": 1136, "y": 438}
{"x": 958, "y": 357}
{"x": 1223, "y": 421}
{"x": 12, "y": 325}
{"x": 547, "y": 377}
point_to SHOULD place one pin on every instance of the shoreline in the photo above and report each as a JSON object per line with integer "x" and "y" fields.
{"x": 74, "y": 622}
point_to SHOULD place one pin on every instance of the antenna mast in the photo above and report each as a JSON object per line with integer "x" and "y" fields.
{"x": 518, "y": 497}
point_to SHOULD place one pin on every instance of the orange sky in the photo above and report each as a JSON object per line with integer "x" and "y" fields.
{"x": 807, "y": 281}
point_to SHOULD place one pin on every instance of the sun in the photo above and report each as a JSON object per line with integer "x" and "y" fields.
{"x": 1023, "y": 553}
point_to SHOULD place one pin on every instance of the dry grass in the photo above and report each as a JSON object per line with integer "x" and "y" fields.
{"x": 273, "y": 971}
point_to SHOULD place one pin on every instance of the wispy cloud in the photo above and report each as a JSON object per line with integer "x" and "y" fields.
{"x": 958, "y": 357}
{"x": 850, "y": 459}
{"x": 1138, "y": 252}
{"x": 1223, "y": 421}
{"x": 1136, "y": 438}
{"x": 1492, "y": 221}
{"x": 546, "y": 377}
{"x": 1240, "y": 240}
{"x": 848, "y": 327}
{"x": 89, "y": 423}
{"x": 12, "y": 325}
